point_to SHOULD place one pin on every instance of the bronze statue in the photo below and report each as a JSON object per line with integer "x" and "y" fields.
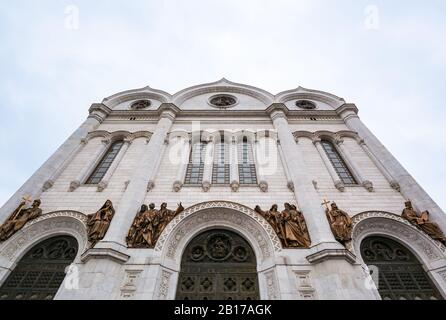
{"x": 148, "y": 225}
{"x": 289, "y": 225}
{"x": 99, "y": 222}
{"x": 340, "y": 222}
{"x": 166, "y": 216}
{"x": 422, "y": 222}
{"x": 19, "y": 218}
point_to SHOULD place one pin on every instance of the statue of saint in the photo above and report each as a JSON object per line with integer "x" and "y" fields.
{"x": 340, "y": 222}
{"x": 274, "y": 218}
{"x": 19, "y": 218}
{"x": 134, "y": 237}
{"x": 166, "y": 216}
{"x": 295, "y": 227}
{"x": 422, "y": 222}
{"x": 99, "y": 222}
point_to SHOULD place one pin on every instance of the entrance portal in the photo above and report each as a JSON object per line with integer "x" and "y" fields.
{"x": 218, "y": 265}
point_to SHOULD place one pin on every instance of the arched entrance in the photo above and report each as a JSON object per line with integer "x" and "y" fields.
{"x": 218, "y": 265}
{"x": 40, "y": 273}
{"x": 401, "y": 275}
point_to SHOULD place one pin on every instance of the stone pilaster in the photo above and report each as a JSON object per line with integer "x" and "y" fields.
{"x": 208, "y": 165}
{"x": 185, "y": 150}
{"x": 410, "y": 189}
{"x": 234, "y": 161}
{"x": 306, "y": 196}
{"x": 136, "y": 191}
{"x": 34, "y": 185}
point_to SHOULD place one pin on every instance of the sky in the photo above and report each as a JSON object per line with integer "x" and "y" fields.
{"x": 58, "y": 57}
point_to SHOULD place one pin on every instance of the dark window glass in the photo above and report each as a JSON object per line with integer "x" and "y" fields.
{"x": 105, "y": 163}
{"x": 221, "y": 168}
{"x": 246, "y": 168}
{"x": 338, "y": 163}
{"x": 195, "y": 168}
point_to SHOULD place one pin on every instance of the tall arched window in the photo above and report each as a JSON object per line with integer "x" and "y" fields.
{"x": 105, "y": 163}
{"x": 247, "y": 167}
{"x": 338, "y": 163}
{"x": 195, "y": 168}
{"x": 221, "y": 170}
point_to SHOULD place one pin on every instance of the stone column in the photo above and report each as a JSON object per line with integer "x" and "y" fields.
{"x": 90, "y": 166}
{"x": 104, "y": 183}
{"x": 410, "y": 189}
{"x": 357, "y": 172}
{"x": 263, "y": 184}
{"x": 234, "y": 161}
{"x": 208, "y": 165}
{"x": 395, "y": 185}
{"x": 307, "y": 198}
{"x": 152, "y": 179}
{"x": 33, "y": 187}
{"x": 134, "y": 196}
{"x": 290, "y": 183}
{"x": 334, "y": 175}
{"x": 185, "y": 150}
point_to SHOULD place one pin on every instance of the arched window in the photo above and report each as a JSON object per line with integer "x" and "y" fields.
{"x": 40, "y": 273}
{"x": 338, "y": 163}
{"x": 221, "y": 169}
{"x": 195, "y": 168}
{"x": 105, "y": 163}
{"x": 247, "y": 167}
{"x": 397, "y": 272}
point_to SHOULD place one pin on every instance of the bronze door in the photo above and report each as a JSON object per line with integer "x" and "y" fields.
{"x": 41, "y": 271}
{"x": 218, "y": 265}
{"x": 401, "y": 276}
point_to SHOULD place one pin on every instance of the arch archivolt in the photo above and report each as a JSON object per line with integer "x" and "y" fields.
{"x": 334, "y": 137}
{"x": 431, "y": 253}
{"x": 118, "y": 135}
{"x": 71, "y": 223}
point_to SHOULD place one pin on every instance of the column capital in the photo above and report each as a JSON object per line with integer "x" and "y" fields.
{"x": 348, "y": 110}
{"x": 277, "y": 111}
{"x": 99, "y": 111}
{"x": 168, "y": 111}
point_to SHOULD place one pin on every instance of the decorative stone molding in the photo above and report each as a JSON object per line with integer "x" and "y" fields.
{"x": 102, "y": 186}
{"x": 263, "y": 185}
{"x": 74, "y": 185}
{"x": 272, "y": 286}
{"x": 51, "y": 224}
{"x": 113, "y": 136}
{"x": 99, "y": 253}
{"x": 235, "y": 186}
{"x": 206, "y": 185}
{"x": 443, "y": 275}
{"x": 368, "y": 185}
{"x": 129, "y": 286}
{"x": 340, "y": 185}
{"x": 290, "y": 185}
{"x": 331, "y": 254}
{"x": 304, "y": 285}
{"x": 395, "y": 185}
{"x": 150, "y": 186}
{"x": 177, "y": 186}
{"x": 388, "y": 224}
{"x": 237, "y": 214}
{"x": 163, "y": 286}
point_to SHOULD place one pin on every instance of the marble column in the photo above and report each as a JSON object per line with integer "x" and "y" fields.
{"x": 90, "y": 166}
{"x": 185, "y": 150}
{"x": 410, "y": 189}
{"x": 356, "y": 170}
{"x": 234, "y": 161}
{"x": 33, "y": 186}
{"x": 104, "y": 183}
{"x": 134, "y": 196}
{"x": 208, "y": 165}
{"x": 307, "y": 198}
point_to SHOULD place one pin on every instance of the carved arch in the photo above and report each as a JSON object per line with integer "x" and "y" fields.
{"x": 71, "y": 223}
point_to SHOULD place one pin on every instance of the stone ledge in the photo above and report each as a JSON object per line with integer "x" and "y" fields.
{"x": 105, "y": 253}
{"x": 332, "y": 254}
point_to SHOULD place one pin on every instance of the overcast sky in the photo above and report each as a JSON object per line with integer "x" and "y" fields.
{"x": 58, "y": 57}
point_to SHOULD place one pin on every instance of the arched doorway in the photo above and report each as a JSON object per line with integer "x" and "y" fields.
{"x": 401, "y": 275}
{"x": 218, "y": 265}
{"x": 40, "y": 273}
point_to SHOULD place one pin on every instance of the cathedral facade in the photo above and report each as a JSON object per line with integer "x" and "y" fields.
{"x": 222, "y": 191}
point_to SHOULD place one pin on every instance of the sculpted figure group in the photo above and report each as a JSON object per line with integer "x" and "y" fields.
{"x": 149, "y": 224}
{"x": 422, "y": 222}
{"x": 289, "y": 225}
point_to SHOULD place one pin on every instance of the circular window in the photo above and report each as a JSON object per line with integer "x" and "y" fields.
{"x": 141, "y": 105}
{"x": 305, "y": 104}
{"x": 223, "y": 101}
